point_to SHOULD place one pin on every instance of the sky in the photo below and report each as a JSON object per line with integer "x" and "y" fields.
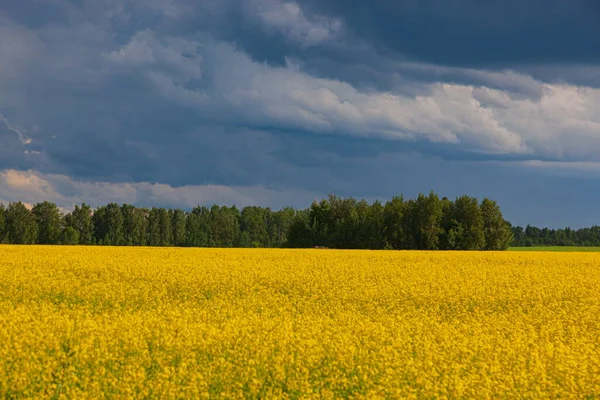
{"x": 178, "y": 103}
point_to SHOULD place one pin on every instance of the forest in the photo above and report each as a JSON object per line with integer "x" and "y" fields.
{"x": 427, "y": 222}
{"x": 533, "y": 236}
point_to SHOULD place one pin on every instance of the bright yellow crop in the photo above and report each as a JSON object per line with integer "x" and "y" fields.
{"x": 79, "y": 322}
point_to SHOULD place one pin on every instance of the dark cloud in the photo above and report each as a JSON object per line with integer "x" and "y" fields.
{"x": 16, "y": 150}
{"x": 298, "y": 99}
{"x": 519, "y": 35}
{"x": 476, "y": 33}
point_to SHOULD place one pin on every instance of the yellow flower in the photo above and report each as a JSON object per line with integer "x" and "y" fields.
{"x": 89, "y": 322}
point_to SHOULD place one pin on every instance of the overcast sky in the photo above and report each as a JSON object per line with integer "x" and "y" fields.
{"x": 265, "y": 102}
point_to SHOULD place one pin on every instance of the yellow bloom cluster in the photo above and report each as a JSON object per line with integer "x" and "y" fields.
{"x": 83, "y": 322}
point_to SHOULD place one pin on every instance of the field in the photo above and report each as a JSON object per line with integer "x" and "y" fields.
{"x": 577, "y": 249}
{"x": 82, "y": 322}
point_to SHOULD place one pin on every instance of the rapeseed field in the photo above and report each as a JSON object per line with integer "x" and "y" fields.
{"x": 91, "y": 322}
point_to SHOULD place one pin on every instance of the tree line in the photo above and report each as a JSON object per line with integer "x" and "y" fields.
{"x": 533, "y": 236}
{"x": 427, "y": 222}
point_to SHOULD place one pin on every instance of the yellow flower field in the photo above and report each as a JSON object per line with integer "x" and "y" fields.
{"x": 83, "y": 322}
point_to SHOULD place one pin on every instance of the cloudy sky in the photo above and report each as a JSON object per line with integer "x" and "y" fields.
{"x": 273, "y": 102}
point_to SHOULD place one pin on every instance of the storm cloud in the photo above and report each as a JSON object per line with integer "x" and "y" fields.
{"x": 272, "y": 102}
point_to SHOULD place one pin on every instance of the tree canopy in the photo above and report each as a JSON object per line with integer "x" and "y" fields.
{"x": 424, "y": 223}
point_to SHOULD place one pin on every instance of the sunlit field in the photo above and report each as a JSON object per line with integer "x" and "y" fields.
{"x": 79, "y": 322}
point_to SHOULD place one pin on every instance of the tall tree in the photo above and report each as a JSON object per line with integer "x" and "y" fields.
{"x": 375, "y": 221}
{"x": 134, "y": 225}
{"x": 224, "y": 226}
{"x": 279, "y": 227}
{"x": 2, "y": 223}
{"x": 497, "y": 232}
{"x": 450, "y": 232}
{"x": 358, "y": 231}
{"x": 115, "y": 224}
{"x": 166, "y": 227}
{"x": 100, "y": 224}
{"x": 300, "y": 234}
{"x": 344, "y": 219}
{"x": 153, "y": 226}
{"x": 160, "y": 228}
{"x": 254, "y": 226}
{"x": 108, "y": 225}
{"x": 198, "y": 228}
{"x": 467, "y": 220}
{"x": 424, "y": 217}
{"x": 80, "y": 219}
{"x": 69, "y": 236}
{"x": 49, "y": 222}
{"x": 393, "y": 214}
{"x": 179, "y": 228}
{"x": 321, "y": 222}
{"x": 140, "y": 223}
{"x": 128, "y": 212}
{"x": 426, "y": 223}
{"x": 20, "y": 224}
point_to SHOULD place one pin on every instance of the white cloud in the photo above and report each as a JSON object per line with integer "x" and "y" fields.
{"x": 564, "y": 123}
{"x": 33, "y": 187}
{"x": 561, "y": 121}
{"x": 240, "y": 89}
{"x": 506, "y": 80}
{"x": 225, "y": 86}
{"x": 288, "y": 19}
{"x": 18, "y": 133}
{"x": 177, "y": 56}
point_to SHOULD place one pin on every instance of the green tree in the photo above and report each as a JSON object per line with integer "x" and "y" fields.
{"x": 160, "y": 228}
{"x": 153, "y": 234}
{"x": 128, "y": 212}
{"x": 140, "y": 224}
{"x": 254, "y": 227}
{"x": 344, "y": 220}
{"x": 518, "y": 234}
{"x": 108, "y": 225}
{"x": 100, "y": 224}
{"x": 393, "y": 214}
{"x": 426, "y": 223}
{"x": 80, "y": 219}
{"x": 2, "y": 224}
{"x": 280, "y": 225}
{"x": 497, "y": 232}
{"x": 198, "y": 228}
{"x": 300, "y": 234}
{"x": 20, "y": 224}
{"x": 424, "y": 216}
{"x": 375, "y": 222}
{"x": 469, "y": 215}
{"x": 449, "y": 229}
{"x": 322, "y": 222}
{"x": 69, "y": 236}
{"x": 463, "y": 225}
{"x": 134, "y": 225}
{"x": 166, "y": 227}
{"x": 224, "y": 226}
{"x": 358, "y": 230}
{"x": 49, "y": 222}
{"x": 115, "y": 224}
{"x": 179, "y": 221}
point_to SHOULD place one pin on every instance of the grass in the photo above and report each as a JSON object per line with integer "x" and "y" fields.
{"x": 557, "y": 248}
